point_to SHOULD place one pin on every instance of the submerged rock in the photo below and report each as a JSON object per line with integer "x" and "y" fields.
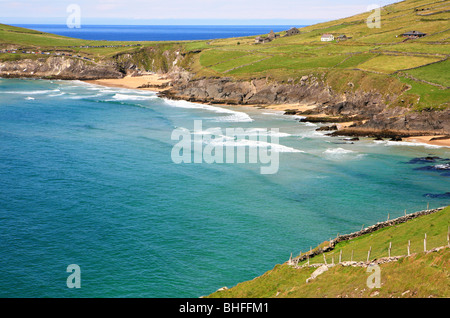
{"x": 438, "y": 195}
{"x": 424, "y": 159}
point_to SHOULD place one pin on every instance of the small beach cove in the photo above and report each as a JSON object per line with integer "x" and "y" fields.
{"x": 87, "y": 178}
{"x": 160, "y": 83}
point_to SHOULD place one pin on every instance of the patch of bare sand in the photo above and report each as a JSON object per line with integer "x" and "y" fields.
{"x": 347, "y": 124}
{"x": 154, "y": 82}
{"x": 427, "y": 140}
{"x": 296, "y": 107}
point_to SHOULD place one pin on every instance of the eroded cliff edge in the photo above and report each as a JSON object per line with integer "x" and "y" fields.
{"x": 58, "y": 67}
{"x": 372, "y": 112}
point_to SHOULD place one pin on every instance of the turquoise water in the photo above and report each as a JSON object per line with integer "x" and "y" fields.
{"x": 86, "y": 177}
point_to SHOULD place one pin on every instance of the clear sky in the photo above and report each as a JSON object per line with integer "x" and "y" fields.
{"x": 299, "y": 12}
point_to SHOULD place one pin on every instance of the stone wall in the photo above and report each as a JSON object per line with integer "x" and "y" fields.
{"x": 364, "y": 231}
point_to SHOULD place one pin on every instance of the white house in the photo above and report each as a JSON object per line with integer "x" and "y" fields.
{"x": 327, "y": 37}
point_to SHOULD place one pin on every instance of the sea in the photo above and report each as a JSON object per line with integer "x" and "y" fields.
{"x": 88, "y": 178}
{"x": 156, "y": 32}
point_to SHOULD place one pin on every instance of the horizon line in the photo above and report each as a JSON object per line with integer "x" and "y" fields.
{"x": 193, "y": 22}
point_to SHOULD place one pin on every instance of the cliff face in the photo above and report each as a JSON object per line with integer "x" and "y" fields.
{"x": 372, "y": 107}
{"x": 233, "y": 92}
{"x": 58, "y": 67}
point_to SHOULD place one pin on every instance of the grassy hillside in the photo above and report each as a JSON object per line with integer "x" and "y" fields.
{"x": 372, "y": 58}
{"x": 419, "y": 275}
{"x": 416, "y": 68}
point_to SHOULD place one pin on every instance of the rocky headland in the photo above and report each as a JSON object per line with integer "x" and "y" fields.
{"x": 361, "y": 113}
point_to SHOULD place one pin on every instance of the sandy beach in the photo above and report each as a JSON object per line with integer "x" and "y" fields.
{"x": 296, "y": 107}
{"x": 426, "y": 140}
{"x": 153, "y": 82}
{"x": 157, "y": 83}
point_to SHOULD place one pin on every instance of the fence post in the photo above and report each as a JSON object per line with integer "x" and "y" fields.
{"x": 428, "y": 205}
{"x": 405, "y": 212}
{"x": 409, "y": 247}
{"x": 340, "y": 257}
{"x": 425, "y": 243}
{"x": 368, "y": 254}
{"x": 448, "y": 236}
{"x": 388, "y": 217}
{"x": 389, "y": 250}
{"x": 324, "y": 259}
{"x": 351, "y": 259}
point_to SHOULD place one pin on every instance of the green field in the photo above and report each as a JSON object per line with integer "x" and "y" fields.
{"x": 390, "y": 64}
{"x": 433, "y": 73}
{"x": 414, "y": 71}
{"x": 419, "y": 275}
{"x": 369, "y": 51}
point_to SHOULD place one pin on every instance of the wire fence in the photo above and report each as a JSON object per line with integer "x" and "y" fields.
{"x": 349, "y": 250}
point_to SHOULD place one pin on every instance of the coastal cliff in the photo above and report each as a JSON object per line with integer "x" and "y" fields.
{"x": 370, "y": 110}
{"x": 58, "y": 68}
{"x": 375, "y": 83}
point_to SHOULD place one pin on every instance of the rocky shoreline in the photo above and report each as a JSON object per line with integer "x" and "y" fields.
{"x": 355, "y": 114}
{"x": 60, "y": 67}
{"x": 367, "y": 113}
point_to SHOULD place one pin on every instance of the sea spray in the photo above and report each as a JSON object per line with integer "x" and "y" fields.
{"x": 213, "y": 146}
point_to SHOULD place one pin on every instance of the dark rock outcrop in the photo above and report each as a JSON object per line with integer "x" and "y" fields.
{"x": 58, "y": 67}
{"x": 261, "y": 91}
{"x": 327, "y": 128}
{"x": 368, "y": 110}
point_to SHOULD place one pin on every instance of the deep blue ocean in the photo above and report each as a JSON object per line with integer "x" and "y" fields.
{"x": 87, "y": 178}
{"x": 156, "y": 32}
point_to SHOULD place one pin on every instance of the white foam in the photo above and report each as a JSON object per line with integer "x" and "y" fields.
{"x": 36, "y": 92}
{"x": 83, "y": 96}
{"x": 264, "y": 132}
{"x": 226, "y": 142}
{"x": 133, "y": 97}
{"x": 337, "y": 151}
{"x": 30, "y": 98}
{"x": 106, "y": 89}
{"x": 274, "y": 113}
{"x": 234, "y": 116}
{"x": 277, "y": 113}
{"x": 406, "y": 143}
{"x": 307, "y": 123}
{"x": 55, "y": 95}
{"x": 341, "y": 153}
{"x": 312, "y": 134}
